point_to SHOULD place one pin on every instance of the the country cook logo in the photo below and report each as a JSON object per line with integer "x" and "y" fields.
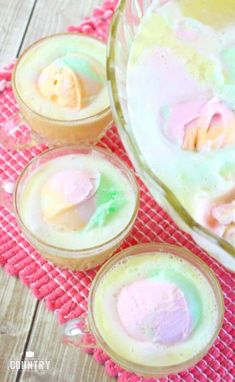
{"x": 29, "y": 363}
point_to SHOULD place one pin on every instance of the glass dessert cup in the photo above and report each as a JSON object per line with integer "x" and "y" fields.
{"x": 122, "y": 33}
{"x": 84, "y": 333}
{"x": 42, "y": 129}
{"x": 82, "y": 258}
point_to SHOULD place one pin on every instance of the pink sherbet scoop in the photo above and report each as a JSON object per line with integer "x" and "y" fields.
{"x": 180, "y": 115}
{"x": 154, "y": 311}
{"x": 75, "y": 186}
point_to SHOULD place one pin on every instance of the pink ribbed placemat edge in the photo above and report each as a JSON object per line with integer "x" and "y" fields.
{"x": 65, "y": 292}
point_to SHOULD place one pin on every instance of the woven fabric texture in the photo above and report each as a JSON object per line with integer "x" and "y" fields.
{"x": 66, "y": 292}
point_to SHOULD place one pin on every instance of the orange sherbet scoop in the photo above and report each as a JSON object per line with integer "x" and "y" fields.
{"x": 60, "y": 85}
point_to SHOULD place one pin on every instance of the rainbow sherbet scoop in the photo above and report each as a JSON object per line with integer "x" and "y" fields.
{"x": 67, "y": 198}
{"x": 73, "y": 199}
{"x": 70, "y": 81}
{"x": 199, "y": 126}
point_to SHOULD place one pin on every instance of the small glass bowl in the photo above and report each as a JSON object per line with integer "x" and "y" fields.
{"x": 71, "y": 258}
{"x": 75, "y": 331}
{"x": 52, "y": 131}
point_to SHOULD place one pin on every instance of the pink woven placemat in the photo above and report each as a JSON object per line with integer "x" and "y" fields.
{"x": 65, "y": 291}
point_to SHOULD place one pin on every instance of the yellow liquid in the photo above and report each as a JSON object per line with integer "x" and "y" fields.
{"x": 216, "y": 13}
